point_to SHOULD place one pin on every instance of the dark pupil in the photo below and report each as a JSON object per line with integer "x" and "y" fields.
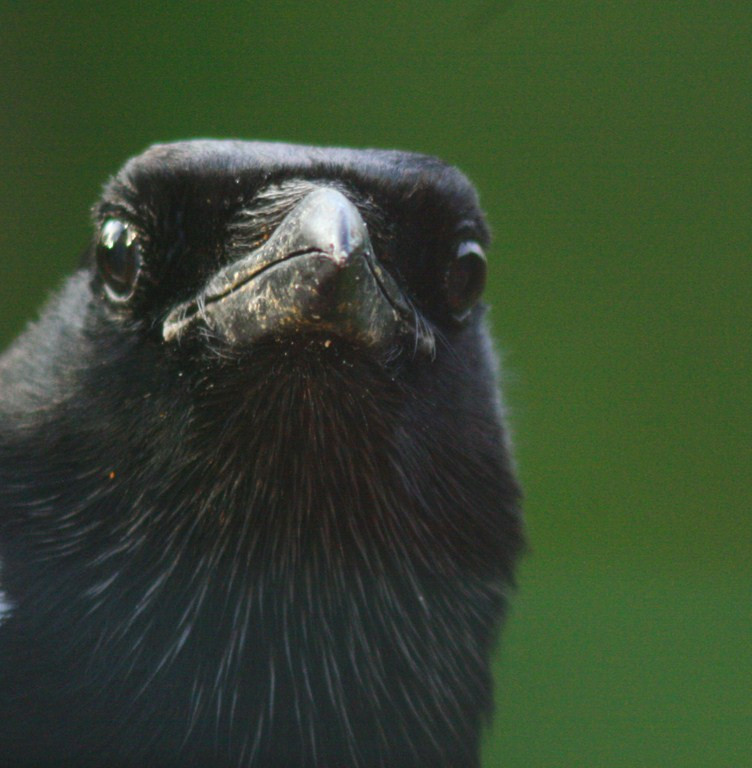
{"x": 118, "y": 257}
{"x": 465, "y": 281}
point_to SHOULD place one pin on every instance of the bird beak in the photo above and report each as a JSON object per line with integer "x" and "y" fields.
{"x": 317, "y": 272}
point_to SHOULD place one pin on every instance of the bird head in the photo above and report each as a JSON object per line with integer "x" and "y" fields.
{"x": 272, "y": 325}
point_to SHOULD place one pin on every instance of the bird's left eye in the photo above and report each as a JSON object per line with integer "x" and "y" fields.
{"x": 465, "y": 278}
{"x": 118, "y": 259}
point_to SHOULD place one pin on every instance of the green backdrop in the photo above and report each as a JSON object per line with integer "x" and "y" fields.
{"x": 611, "y": 145}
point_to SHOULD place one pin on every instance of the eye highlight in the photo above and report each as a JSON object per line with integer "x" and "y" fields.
{"x": 118, "y": 256}
{"x": 465, "y": 279}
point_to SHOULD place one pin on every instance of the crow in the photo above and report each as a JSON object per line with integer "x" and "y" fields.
{"x": 257, "y": 501}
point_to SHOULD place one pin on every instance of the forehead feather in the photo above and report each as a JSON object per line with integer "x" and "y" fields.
{"x": 232, "y": 168}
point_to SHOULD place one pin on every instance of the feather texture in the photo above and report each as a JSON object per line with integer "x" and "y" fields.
{"x": 297, "y": 553}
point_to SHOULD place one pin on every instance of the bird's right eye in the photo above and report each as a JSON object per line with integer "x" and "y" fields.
{"x": 118, "y": 259}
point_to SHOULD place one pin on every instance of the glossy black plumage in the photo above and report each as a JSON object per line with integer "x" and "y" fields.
{"x": 290, "y": 550}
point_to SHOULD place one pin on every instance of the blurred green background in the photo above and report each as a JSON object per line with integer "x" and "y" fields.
{"x": 611, "y": 143}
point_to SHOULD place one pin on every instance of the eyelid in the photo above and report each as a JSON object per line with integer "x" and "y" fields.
{"x": 470, "y": 246}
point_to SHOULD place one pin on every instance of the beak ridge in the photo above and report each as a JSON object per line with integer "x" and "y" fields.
{"x": 331, "y": 224}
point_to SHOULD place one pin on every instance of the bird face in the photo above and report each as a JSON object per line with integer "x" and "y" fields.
{"x": 234, "y": 252}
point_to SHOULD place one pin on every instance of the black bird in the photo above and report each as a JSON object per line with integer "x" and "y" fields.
{"x": 257, "y": 506}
